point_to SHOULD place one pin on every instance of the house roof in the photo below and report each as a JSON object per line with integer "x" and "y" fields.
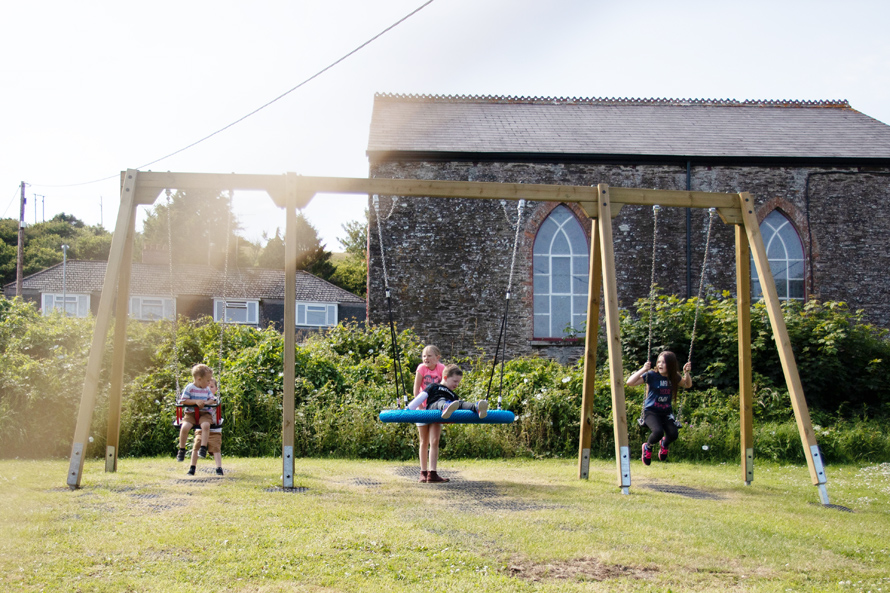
{"x": 190, "y": 279}
{"x": 634, "y": 127}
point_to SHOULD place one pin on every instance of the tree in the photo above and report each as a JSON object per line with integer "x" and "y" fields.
{"x": 199, "y": 221}
{"x": 311, "y": 254}
{"x": 352, "y": 271}
{"x": 43, "y": 244}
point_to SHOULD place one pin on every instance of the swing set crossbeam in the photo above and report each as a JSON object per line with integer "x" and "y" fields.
{"x": 601, "y": 203}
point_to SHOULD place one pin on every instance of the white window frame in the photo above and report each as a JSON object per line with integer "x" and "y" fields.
{"x": 545, "y": 291}
{"x": 76, "y": 304}
{"x": 789, "y": 270}
{"x": 138, "y": 305}
{"x": 308, "y": 314}
{"x": 250, "y": 307}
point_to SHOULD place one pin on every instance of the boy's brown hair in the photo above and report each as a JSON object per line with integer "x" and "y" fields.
{"x": 201, "y": 370}
{"x": 452, "y": 370}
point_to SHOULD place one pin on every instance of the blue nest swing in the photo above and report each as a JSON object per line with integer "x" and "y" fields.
{"x": 435, "y": 416}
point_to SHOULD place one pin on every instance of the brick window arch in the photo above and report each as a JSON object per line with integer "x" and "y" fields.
{"x": 560, "y": 275}
{"x": 784, "y": 250}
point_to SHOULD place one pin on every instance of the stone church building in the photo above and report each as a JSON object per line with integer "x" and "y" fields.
{"x": 819, "y": 172}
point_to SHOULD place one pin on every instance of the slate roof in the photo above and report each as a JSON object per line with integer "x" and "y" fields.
{"x": 634, "y": 127}
{"x": 190, "y": 279}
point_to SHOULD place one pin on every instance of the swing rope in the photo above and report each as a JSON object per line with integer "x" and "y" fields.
{"x": 503, "y": 331}
{"x": 401, "y": 398}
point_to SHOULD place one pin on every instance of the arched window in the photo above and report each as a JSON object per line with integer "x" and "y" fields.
{"x": 561, "y": 268}
{"x": 785, "y": 253}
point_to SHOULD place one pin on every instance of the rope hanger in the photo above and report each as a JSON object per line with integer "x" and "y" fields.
{"x": 498, "y": 416}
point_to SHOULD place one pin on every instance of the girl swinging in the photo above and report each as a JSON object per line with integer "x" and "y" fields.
{"x": 658, "y": 415}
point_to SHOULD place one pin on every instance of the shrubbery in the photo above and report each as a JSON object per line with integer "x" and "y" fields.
{"x": 345, "y": 377}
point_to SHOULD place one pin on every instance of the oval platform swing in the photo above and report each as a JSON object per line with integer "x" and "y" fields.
{"x": 403, "y": 414}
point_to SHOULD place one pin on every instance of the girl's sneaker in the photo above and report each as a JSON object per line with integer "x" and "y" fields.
{"x": 662, "y": 451}
{"x": 647, "y": 454}
{"x": 219, "y": 471}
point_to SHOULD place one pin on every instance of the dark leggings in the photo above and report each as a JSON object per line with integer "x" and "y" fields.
{"x": 661, "y": 426}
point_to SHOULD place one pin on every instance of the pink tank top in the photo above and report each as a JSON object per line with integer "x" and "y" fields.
{"x": 430, "y": 376}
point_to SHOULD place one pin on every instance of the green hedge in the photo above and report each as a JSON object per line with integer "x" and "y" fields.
{"x": 345, "y": 377}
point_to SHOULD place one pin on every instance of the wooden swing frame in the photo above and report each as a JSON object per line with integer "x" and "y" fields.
{"x": 601, "y": 203}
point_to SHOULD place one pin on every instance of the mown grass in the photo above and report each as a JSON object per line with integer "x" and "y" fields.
{"x": 517, "y": 525}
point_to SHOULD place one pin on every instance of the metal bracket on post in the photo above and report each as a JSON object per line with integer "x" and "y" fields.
{"x": 749, "y": 465}
{"x": 110, "y": 459}
{"x": 625, "y": 470}
{"x": 74, "y": 466}
{"x": 820, "y": 473}
{"x": 585, "y": 464}
{"x": 287, "y": 476}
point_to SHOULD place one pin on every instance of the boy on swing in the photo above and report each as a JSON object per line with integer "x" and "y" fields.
{"x": 196, "y": 396}
{"x": 214, "y": 442}
{"x": 441, "y": 396}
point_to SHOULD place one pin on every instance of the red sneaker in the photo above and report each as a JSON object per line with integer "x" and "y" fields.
{"x": 647, "y": 454}
{"x": 662, "y": 451}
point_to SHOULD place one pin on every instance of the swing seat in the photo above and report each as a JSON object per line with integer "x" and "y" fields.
{"x": 217, "y": 416}
{"x": 435, "y": 416}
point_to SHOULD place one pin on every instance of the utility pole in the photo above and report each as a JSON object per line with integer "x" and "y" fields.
{"x": 20, "y": 255}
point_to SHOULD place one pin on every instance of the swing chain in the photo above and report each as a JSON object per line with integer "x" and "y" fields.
{"x": 655, "y": 210}
{"x": 701, "y": 284}
{"x": 225, "y": 311}
{"x": 173, "y": 293}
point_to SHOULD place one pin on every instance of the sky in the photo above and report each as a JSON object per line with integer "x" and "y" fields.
{"x": 93, "y": 88}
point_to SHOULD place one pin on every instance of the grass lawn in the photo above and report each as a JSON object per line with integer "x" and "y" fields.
{"x": 497, "y": 526}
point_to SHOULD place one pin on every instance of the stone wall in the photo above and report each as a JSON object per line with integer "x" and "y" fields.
{"x": 448, "y": 260}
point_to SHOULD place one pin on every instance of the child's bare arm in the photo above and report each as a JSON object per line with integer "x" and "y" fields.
{"x": 637, "y": 377}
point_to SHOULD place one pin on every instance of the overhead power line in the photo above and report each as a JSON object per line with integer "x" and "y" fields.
{"x": 263, "y": 106}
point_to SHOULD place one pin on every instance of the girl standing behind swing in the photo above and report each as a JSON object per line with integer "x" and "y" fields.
{"x": 661, "y": 388}
{"x": 428, "y": 372}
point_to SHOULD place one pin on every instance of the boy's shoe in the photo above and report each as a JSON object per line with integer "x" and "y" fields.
{"x": 191, "y": 471}
{"x": 482, "y": 409}
{"x": 424, "y": 476}
{"x": 433, "y": 477}
{"x": 180, "y": 455}
{"x": 219, "y": 471}
{"x": 447, "y": 412}
{"x": 662, "y": 451}
{"x": 202, "y": 452}
{"x": 647, "y": 454}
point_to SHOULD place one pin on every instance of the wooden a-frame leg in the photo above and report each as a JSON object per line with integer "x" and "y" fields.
{"x": 613, "y": 337}
{"x": 783, "y": 343}
{"x": 746, "y": 395}
{"x": 590, "y": 344}
{"x": 119, "y": 350}
{"x": 100, "y": 331}
{"x": 289, "y": 329}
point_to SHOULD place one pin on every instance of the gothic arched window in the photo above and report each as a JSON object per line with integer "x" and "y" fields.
{"x": 785, "y": 253}
{"x": 561, "y": 269}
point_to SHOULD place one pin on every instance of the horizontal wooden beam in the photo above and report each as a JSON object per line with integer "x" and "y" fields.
{"x": 151, "y": 184}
